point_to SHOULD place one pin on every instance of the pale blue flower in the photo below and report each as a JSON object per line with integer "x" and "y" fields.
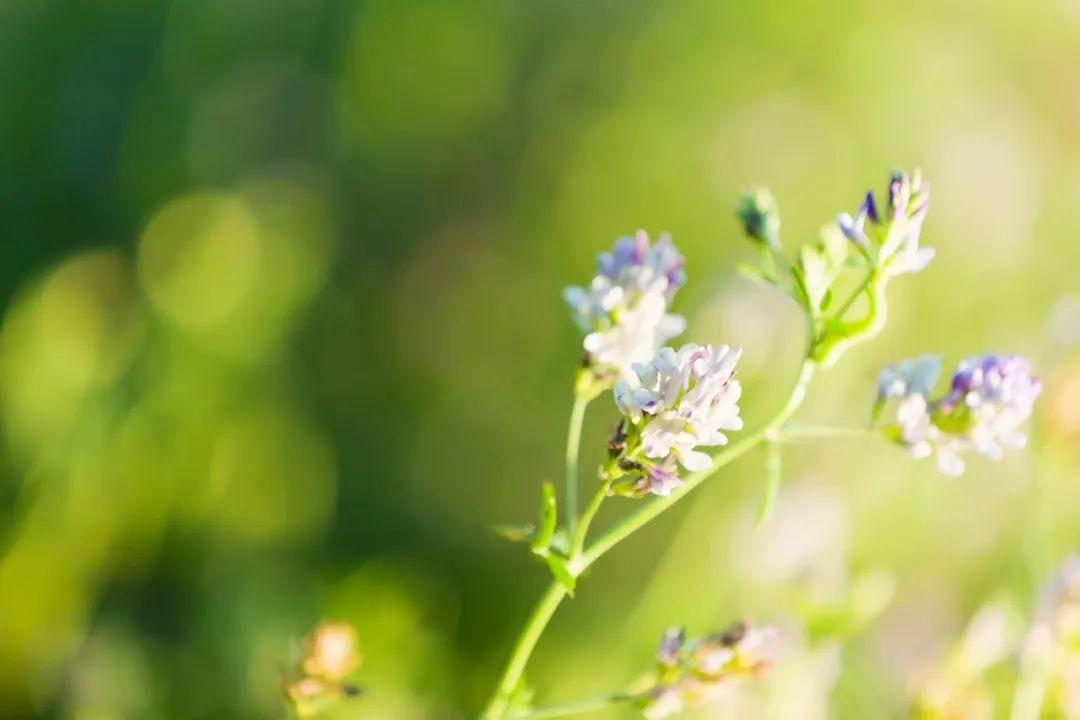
{"x": 988, "y": 400}
{"x": 624, "y": 310}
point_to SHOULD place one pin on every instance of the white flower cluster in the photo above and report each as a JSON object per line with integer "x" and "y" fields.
{"x": 988, "y": 400}
{"x": 692, "y": 672}
{"x": 679, "y": 401}
{"x": 624, "y": 310}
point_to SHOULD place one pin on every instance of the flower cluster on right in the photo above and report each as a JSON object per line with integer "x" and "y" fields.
{"x": 988, "y": 400}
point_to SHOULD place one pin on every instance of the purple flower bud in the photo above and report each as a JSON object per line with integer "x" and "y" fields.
{"x": 670, "y": 646}
{"x": 661, "y": 480}
{"x": 869, "y": 208}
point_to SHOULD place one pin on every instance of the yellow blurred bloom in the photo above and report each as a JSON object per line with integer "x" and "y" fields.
{"x": 331, "y": 652}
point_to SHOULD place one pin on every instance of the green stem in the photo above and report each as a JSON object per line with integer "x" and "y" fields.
{"x": 578, "y": 707}
{"x": 573, "y": 443}
{"x": 773, "y": 474}
{"x": 534, "y": 627}
{"x": 578, "y": 539}
{"x": 526, "y": 642}
{"x": 838, "y": 315}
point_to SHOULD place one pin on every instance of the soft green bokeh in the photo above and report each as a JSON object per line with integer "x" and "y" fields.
{"x": 282, "y": 337}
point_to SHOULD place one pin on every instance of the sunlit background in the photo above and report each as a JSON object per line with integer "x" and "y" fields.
{"x": 282, "y": 337}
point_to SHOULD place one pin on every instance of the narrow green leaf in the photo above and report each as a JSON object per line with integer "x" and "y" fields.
{"x": 541, "y": 542}
{"x": 827, "y": 301}
{"x": 773, "y": 474}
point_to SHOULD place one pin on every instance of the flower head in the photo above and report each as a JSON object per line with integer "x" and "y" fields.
{"x": 988, "y": 400}
{"x": 690, "y": 672}
{"x": 623, "y": 311}
{"x": 891, "y": 239}
{"x": 677, "y": 402}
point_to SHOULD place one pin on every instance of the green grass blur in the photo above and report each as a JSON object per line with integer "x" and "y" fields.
{"x": 282, "y": 336}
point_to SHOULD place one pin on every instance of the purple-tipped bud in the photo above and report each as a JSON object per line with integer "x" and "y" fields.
{"x": 869, "y": 207}
{"x": 670, "y": 646}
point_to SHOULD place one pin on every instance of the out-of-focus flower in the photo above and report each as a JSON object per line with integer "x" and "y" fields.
{"x": 679, "y": 401}
{"x": 1062, "y": 411}
{"x": 318, "y": 683}
{"x": 690, "y": 672}
{"x": 760, "y": 217}
{"x": 623, "y": 311}
{"x": 1050, "y": 661}
{"x": 891, "y": 239}
{"x": 988, "y": 400}
{"x": 331, "y": 651}
{"x": 957, "y": 688}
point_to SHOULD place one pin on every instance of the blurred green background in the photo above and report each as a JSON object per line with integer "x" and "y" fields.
{"x": 282, "y": 336}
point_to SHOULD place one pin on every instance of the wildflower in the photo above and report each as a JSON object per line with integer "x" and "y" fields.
{"x": 330, "y": 656}
{"x": 989, "y": 398}
{"x": 891, "y": 240}
{"x": 679, "y": 401}
{"x": 1052, "y": 646}
{"x": 624, "y": 310}
{"x": 960, "y": 685}
{"x": 690, "y": 672}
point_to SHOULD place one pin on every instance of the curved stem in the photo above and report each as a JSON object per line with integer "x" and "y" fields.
{"x": 573, "y": 443}
{"x": 534, "y": 627}
{"x": 577, "y": 707}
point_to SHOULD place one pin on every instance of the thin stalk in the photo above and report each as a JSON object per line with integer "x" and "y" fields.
{"x": 573, "y": 444}
{"x": 855, "y": 295}
{"x": 773, "y": 474}
{"x": 526, "y": 642}
{"x": 534, "y": 627}
{"x": 577, "y": 707}
{"x": 578, "y": 539}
